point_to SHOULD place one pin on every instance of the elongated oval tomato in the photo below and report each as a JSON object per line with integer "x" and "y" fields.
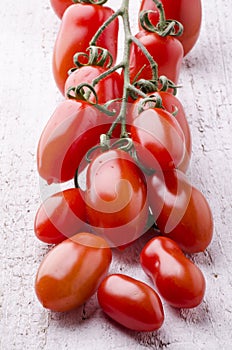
{"x": 72, "y": 130}
{"x": 60, "y": 216}
{"x": 116, "y": 197}
{"x": 171, "y": 104}
{"x": 158, "y": 138}
{"x": 180, "y": 210}
{"x": 166, "y": 51}
{"x": 72, "y": 271}
{"x": 177, "y": 279}
{"x": 79, "y": 24}
{"x": 131, "y": 303}
{"x": 189, "y": 13}
{"x": 109, "y": 88}
{"x": 59, "y": 6}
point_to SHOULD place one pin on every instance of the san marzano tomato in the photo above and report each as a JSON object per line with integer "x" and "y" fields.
{"x": 188, "y": 13}
{"x": 75, "y": 34}
{"x": 180, "y": 210}
{"x": 177, "y": 279}
{"x": 72, "y": 271}
{"x": 61, "y": 216}
{"x": 131, "y": 303}
{"x": 116, "y": 197}
{"x": 166, "y": 51}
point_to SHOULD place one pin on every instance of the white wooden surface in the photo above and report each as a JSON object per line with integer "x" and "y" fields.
{"x": 28, "y": 97}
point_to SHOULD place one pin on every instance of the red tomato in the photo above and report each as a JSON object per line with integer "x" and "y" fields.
{"x": 116, "y": 197}
{"x": 170, "y": 104}
{"x": 131, "y": 303}
{"x": 60, "y": 216}
{"x": 59, "y": 6}
{"x": 158, "y": 139}
{"x": 188, "y": 13}
{"x": 72, "y": 271}
{"x": 177, "y": 279}
{"x": 72, "y": 130}
{"x": 180, "y": 210}
{"x": 108, "y": 88}
{"x": 166, "y": 51}
{"x": 75, "y": 34}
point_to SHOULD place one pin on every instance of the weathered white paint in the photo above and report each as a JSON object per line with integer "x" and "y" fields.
{"x": 28, "y": 97}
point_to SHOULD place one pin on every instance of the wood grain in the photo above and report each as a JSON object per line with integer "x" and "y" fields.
{"x": 28, "y": 96}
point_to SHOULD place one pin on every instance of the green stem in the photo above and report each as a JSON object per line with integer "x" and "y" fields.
{"x": 108, "y": 72}
{"x": 162, "y": 18}
{"x": 103, "y": 27}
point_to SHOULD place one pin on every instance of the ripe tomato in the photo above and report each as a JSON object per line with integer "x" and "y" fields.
{"x": 166, "y": 51}
{"x": 177, "y": 279}
{"x": 170, "y": 103}
{"x": 188, "y": 13}
{"x": 180, "y": 210}
{"x": 59, "y": 6}
{"x": 60, "y": 216}
{"x": 72, "y": 130}
{"x": 72, "y": 271}
{"x": 75, "y": 34}
{"x": 158, "y": 138}
{"x": 131, "y": 303}
{"x": 108, "y": 88}
{"x": 116, "y": 197}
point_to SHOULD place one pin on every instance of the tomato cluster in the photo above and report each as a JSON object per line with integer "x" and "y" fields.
{"x": 133, "y": 143}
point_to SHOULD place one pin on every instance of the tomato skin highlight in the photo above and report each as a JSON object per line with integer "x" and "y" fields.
{"x": 66, "y": 279}
{"x": 189, "y": 14}
{"x": 166, "y": 51}
{"x": 116, "y": 197}
{"x": 74, "y": 36}
{"x": 180, "y": 210}
{"x": 60, "y": 216}
{"x": 59, "y": 6}
{"x": 131, "y": 303}
{"x": 158, "y": 138}
{"x": 111, "y": 87}
{"x": 177, "y": 279}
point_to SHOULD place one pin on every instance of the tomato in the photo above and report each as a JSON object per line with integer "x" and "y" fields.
{"x": 60, "y": 216}
{"x": 72, "y": 271}
{"x": 158, "y": 139}
{"x": 72, "y": 130}
{"x": 131, "y": 303}
{"x": 180, "y": 210}
{"x": 75, "y": 34}
{"x": 171, "y": 104}
{"x": 108, "y": 88}
{"x": 188, "y": 13}
{"x": 116, "y": 197}
{"x": 59, "y": 6}
{"x": 177, "y": 279}
{"x": 166, "y": 51}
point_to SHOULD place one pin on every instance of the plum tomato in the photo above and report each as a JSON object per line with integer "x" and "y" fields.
{"x": 158, "y": 138}
{"x": 177, "y": 279}
{"x": 180, "y": 210}
{"x": 75, "y": 34}
{"x": 61, "y": 216}
{"x": 131, "y": 303}
{"x": 72, "y": 271}
{"x": 188, "y": 13}
{"x": 172, "y": 105}
{"x": 116, "y": 197}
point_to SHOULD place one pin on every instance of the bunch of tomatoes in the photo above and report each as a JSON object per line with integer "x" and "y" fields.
{"x": 122, "y": 127}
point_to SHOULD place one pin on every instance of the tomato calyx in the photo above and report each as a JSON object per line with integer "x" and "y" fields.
{"x": 164, "y": 27}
